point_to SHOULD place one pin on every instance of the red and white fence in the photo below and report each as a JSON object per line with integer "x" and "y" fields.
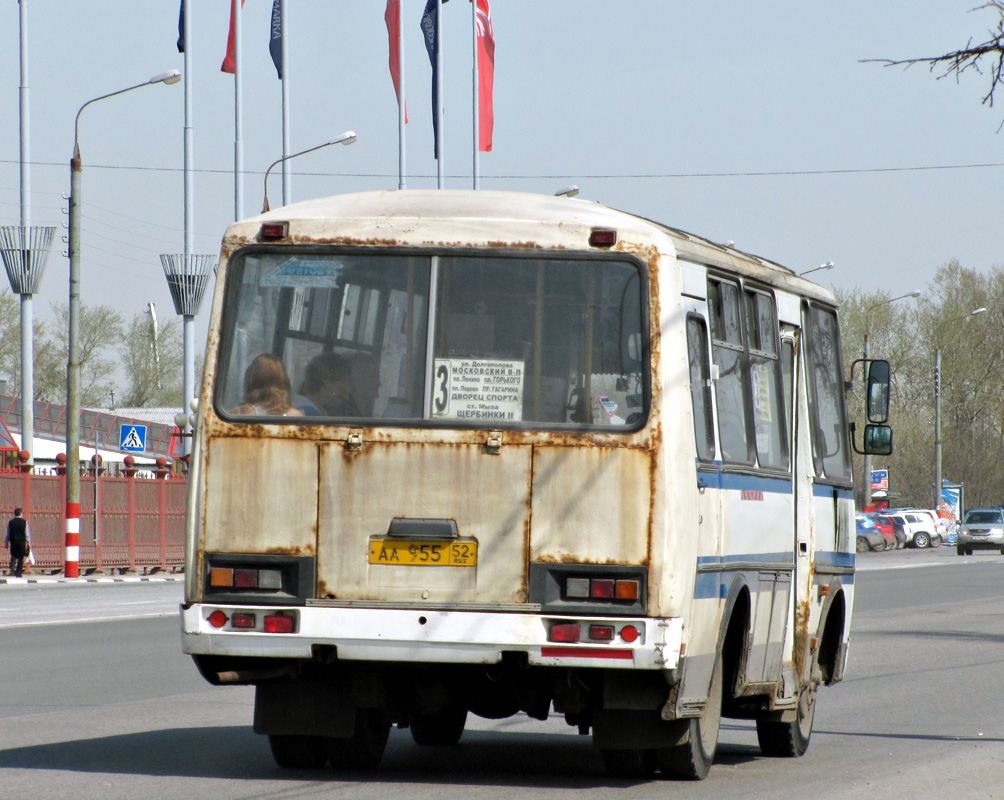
{"x": 139, "y": 522}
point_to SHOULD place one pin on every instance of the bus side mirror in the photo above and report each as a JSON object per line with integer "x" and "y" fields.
{"x": 878, "y": 440}
{"x": 878, "y": 393}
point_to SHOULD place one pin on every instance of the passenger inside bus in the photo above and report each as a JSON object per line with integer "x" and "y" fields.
{"x": 267, "y": 389}
{"x": 326, "y": 387}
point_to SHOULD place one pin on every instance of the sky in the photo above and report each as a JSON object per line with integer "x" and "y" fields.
{"x": 757, "y": 123}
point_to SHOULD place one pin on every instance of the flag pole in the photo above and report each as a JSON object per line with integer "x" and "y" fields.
{"x": 238, "y": 116}
{"x": 401, "y": 163}
{"x": 475, "y": 115}
{"x": 287, "y": 177}
{"x": 440, "y": 171}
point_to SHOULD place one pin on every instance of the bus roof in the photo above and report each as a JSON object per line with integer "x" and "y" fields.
{"x": 494, "y": 218}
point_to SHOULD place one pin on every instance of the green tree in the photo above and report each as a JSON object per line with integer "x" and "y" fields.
{"x": 100, "y": 334}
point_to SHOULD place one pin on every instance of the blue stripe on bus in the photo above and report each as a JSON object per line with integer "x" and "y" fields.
{"x": 710, "y": 583}
{"x": 825, "y": 490}
{"x": 738, "y": 481}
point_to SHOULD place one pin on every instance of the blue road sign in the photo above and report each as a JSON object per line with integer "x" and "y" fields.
{"x": 132, "y": 438}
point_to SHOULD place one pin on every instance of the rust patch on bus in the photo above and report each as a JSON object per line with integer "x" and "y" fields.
{"x": 565, "y": 558}
{"x": 308, "y": 550}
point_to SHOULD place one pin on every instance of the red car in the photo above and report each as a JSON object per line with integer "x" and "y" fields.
{"x": 885, "y": 526}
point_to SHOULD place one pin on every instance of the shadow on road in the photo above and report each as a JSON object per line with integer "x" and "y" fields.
{"x": 482, "y": 758}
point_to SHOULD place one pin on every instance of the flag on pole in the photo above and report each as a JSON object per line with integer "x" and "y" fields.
{"x": 275, "y": 40}
{"x": 229, "y": 64}
{"x": 392, "y": 16}
{"x": 486, "y": 76}
{"x": 432, "y": 47}
{"x": 181, "y": 28}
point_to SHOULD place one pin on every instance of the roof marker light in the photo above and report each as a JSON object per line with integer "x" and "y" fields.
{"x": 273, "y": 231}
{"x": 602, "y": 237}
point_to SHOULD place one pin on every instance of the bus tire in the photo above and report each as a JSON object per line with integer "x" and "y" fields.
{"x": 298, "y": 752}
{"x": 789, "y": 739}
{"x": 692, "y": 760}
{"x": 631, "y": 764}
{"x": 442, "y": 727}
{"x": 364, "y": 749}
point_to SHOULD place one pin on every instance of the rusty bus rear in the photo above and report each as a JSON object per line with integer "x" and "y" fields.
{"x": 529, "y": 499}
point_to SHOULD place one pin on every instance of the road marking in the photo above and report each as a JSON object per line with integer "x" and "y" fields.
{"x": 74, "y": 621}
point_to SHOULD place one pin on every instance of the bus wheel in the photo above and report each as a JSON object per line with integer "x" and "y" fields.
{"x": 692, "y": 759}
{"x": 364, "y": 749}
{"x": 629, "y": 763}
{"x": 298, "y": 752}
{"x": 442, "y": 727}
{"x": 790, "y": 739}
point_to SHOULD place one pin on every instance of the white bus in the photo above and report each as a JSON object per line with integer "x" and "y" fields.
{"x": 496, "y": 453}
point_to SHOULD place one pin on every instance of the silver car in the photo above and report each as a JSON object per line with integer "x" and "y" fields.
{"x": 982, "y": 529}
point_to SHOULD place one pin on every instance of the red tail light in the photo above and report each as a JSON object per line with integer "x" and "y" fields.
{"x": 567, "y": 632}
{"x": 217, "y": 619}
{"x": 279, "y": 623}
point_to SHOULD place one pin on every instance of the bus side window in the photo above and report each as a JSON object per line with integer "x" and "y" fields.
{"x": 700, "y": 387}
{"x": 830, "y": 449}
{"x": 765, "y": 380}
{"x": 732, "y": 386}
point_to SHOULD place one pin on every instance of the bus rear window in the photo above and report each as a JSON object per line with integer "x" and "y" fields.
{"x": 313, "y": 336}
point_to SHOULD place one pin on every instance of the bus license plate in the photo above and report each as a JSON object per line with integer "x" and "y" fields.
{"x": 424, "y": 554}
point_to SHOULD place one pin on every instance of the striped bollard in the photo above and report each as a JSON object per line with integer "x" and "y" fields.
{"x": 71, "y": 568}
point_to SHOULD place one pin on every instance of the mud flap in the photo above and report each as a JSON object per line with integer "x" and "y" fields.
{"x": 615, "y": 729}
{"x": 290, "y": 709}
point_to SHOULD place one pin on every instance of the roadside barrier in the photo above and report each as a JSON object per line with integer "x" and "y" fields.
{"x": 139, "y": 523}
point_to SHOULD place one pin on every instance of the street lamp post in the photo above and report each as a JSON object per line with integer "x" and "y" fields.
{"x": 72, "y": 544}
{"x": 346, "y": 138}
{"x": 827, "y": 265}
{"x": 867, "y": 468}
{"x": 937, "y": 401}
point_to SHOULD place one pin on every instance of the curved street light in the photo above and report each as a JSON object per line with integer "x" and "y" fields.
{"x": 867, "y": 467}
{"x": 346, "y": 138}
{"x": 827, "y": 265}
{"x": 937, "y": 400}
{"x": 72, "y": 542}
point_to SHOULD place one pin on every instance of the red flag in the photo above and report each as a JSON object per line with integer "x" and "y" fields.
{"x": 229, "y": 65}
{"x": 392, "y": 16}
{"x": 486, "y": 76}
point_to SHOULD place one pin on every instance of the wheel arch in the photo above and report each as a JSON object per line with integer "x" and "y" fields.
{"x": 832, "y": 650}
{"x": 734, "y": 638}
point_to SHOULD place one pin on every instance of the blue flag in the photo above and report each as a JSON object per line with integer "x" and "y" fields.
{"x": 181, "y": 28}
{"x": 275, "y": 40}
{"x": 432, "y": 47}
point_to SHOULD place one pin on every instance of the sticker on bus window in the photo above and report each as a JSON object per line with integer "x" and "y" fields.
{"x": 309, "y": 273}
{"x": 478, "y": 390}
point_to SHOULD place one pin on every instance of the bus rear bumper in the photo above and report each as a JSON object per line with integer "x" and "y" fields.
{"x": 430, "y": 636}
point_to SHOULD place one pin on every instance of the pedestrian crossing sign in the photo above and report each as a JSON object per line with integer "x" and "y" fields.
{"x": 132, "y": 438}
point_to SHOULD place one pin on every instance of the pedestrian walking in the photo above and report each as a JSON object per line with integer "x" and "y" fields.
{"x": 17, "y": 542}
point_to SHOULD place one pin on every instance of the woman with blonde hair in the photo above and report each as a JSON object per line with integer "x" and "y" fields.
{"x": 267, "y": 389}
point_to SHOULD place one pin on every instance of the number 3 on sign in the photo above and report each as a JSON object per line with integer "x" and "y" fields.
{"x": 442, "y": 400}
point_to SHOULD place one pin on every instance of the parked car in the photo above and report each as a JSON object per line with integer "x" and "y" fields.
{"x": 919, "y": 526}
{"x": 869, "y": 536}
{"x": 888, "y": 530}
{"x": 894, "y": 526}
{"x": 982, "y": 529}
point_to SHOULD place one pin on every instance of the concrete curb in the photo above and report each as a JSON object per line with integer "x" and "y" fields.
{"x": 51, "y": 580}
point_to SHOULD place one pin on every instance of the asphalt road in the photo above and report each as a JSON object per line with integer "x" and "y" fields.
{"x": 112, "y": 709}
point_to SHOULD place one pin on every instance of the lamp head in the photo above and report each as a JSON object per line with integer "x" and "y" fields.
{"x": 169, "y": 77}
{"x": 346, "y": 138}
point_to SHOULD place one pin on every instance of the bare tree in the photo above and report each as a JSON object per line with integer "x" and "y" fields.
{"x": 152, "y": 378}
{"x": 972, "y": 57}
